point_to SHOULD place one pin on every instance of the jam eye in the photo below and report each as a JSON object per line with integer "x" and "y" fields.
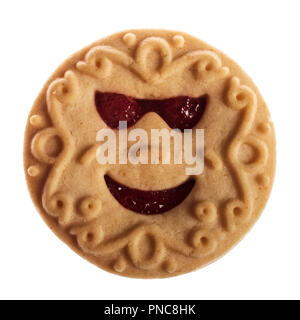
{"x": 114, "y": 107}
{"x": 183, "y": 112}
{"x": 179, "y": 113}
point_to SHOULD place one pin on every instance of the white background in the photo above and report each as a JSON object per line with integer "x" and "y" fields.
{"x": 262, "y": 36}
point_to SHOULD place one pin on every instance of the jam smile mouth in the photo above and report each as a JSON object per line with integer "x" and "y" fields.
{"x": 149, "y": 202}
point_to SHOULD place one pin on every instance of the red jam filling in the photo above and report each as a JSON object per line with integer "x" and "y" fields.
{"x": 149, "y": 202}
{"x": 179, "y": 112}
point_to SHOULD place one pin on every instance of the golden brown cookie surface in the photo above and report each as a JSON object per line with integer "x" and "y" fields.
{"x": 68, "y": 185}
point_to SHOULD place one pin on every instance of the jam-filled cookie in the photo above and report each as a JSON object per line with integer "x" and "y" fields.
{"x": 100, "y": 177}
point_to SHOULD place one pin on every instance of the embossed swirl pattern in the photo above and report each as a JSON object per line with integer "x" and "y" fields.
{"x": 99, "y": 61}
